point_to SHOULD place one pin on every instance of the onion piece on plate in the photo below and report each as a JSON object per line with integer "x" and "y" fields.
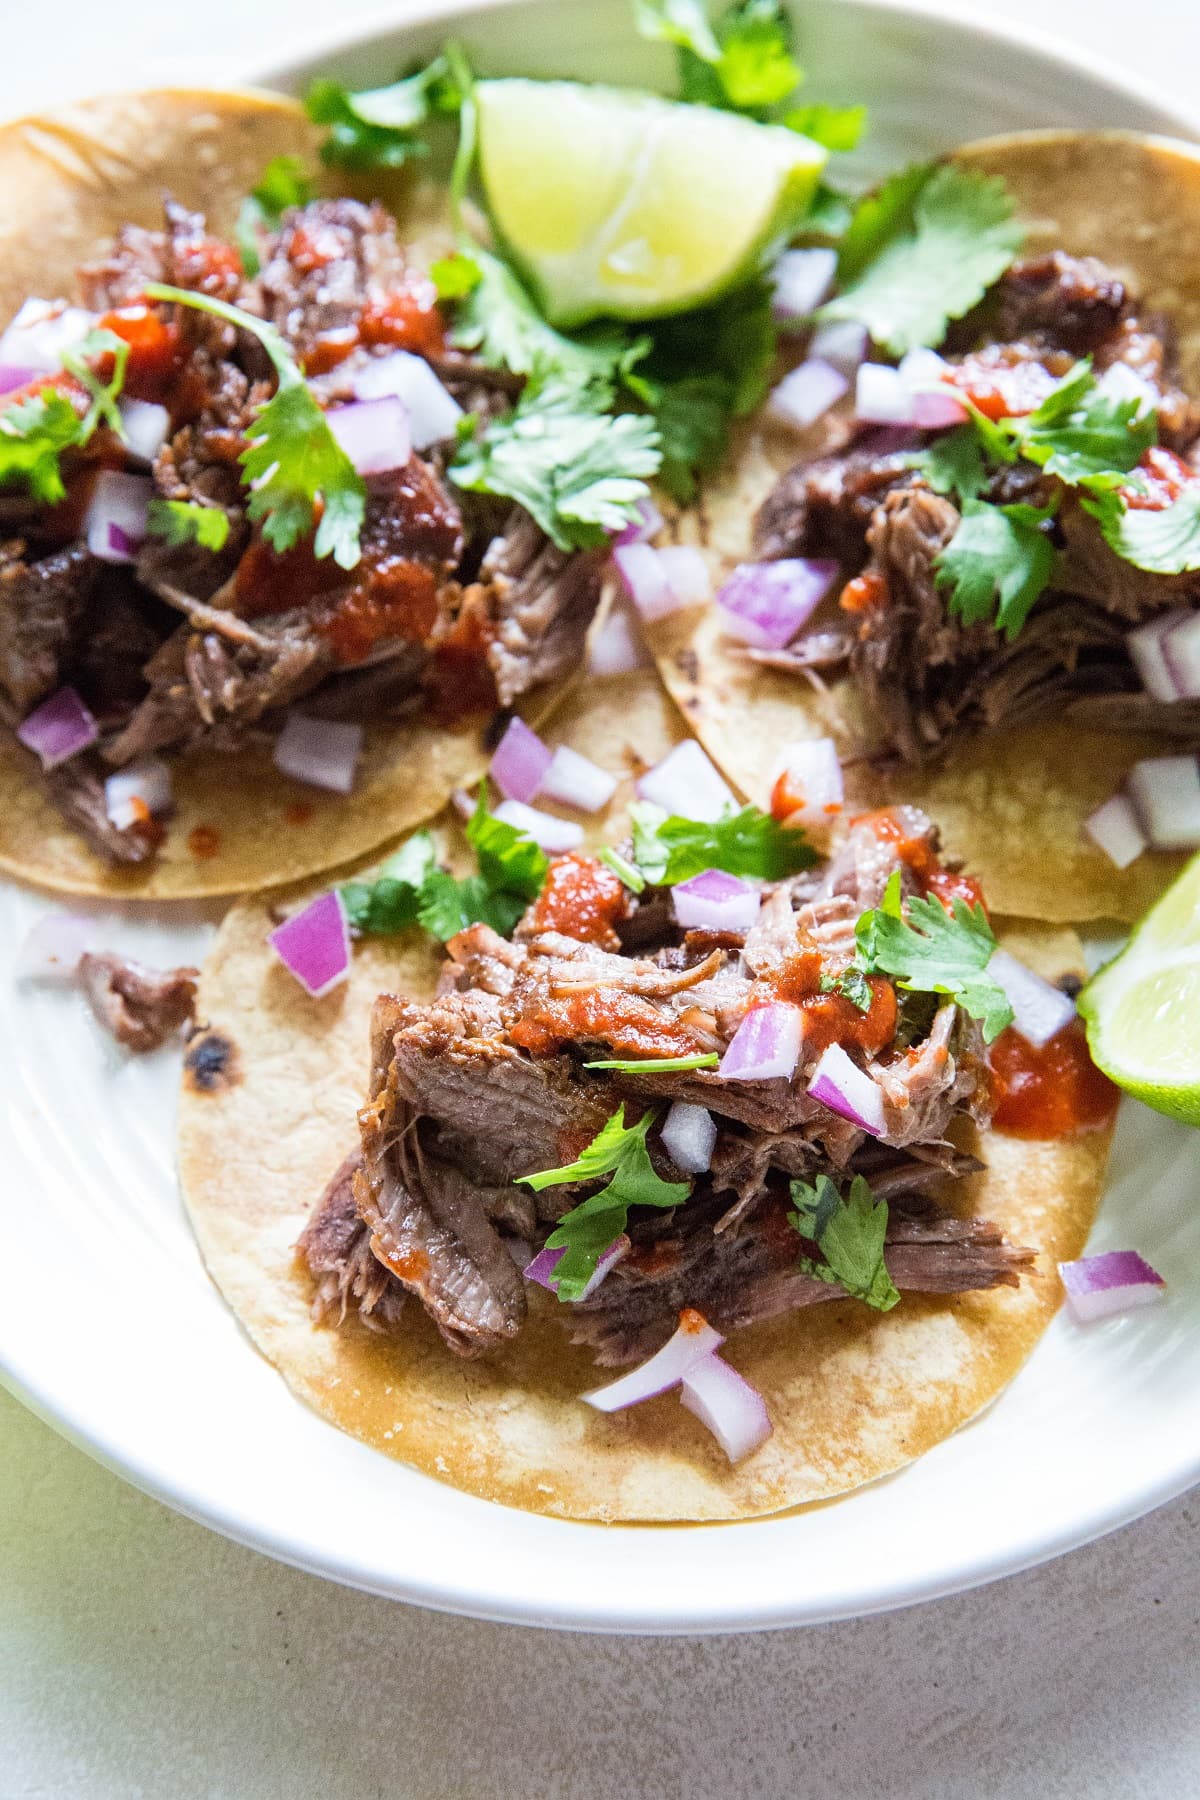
{"x": 847, "y": 1090}
{"x": 115, "y": 522}
{"x": 322, "y": 752}
{"x": 814, "y": 781}
{"x": 139, "y": 791}
{"x": 520, "y": 762}
{"x": 800, "y": 280}
{"x": 716, "y": 901}
{"x": 432, "y": 411}
{"x": 686, "y": 783}
{"x": 725, "y": 1402}
{"x": 660, "y": 582}
{"x": 765, "y": 1046}
{"x": 766, "y": 604}
{"x": 574, "y": 780}
{"x": 1112, "y": 1282}
{"x": 883, "y": 397}
{"x": 694, "y": 1339}
{"x": 1166, "y": 793}
{"x": 13, "y": 376}
{"x": 687, "y": 574}
{"x": 1181, "y": 653}
{"x": 374, "y": 434}
{"x": 549, "y": 833}
{"x": 689, "y": 1134}
{"x": 806, "y": 392}
{"x": 1115, "y": 829}
{"x": 923, "y": 372}
{"x": 52, "y": 949}
{"x": 541, "y": 1269}
{"x": 59, "y": 728}
{"x": 314, "y": 944}
{"x": 1040, "y": 1010}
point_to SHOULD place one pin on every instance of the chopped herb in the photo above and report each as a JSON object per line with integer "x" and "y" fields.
{"x": 376, "y": 128}
{"x": 455, "y": 275}
{"x": 585, "y": 1233}
{"x": 836, "y": 127}
{"x": 745, "y": 64}
{"x": 391, "y": 901}
{"x": 659, "y": 1065}
{"x": 1079, "y": 432}
{"x": 934, "y": 951}
{"x": 509, "y": 860}
{"x": 189, "y": 522}
{"x": 36, "y": 430}
{"x": 829, "y": 216}
{"x": 634, "y": 880}
{"x": 102, "y": 393}
{"x": 850, "y": 1235}
{"x": 500, "y": 321}
{"x": 997, "y": 563}
{"x": 879, "y": 217}
{"x": 285, "y": 182}
{"x": 953, "y": 463}
{"x": 852, "y": 984}
{"x": 668, "y": 850}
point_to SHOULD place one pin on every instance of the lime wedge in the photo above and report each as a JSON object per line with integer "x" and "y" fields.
{"x": 620, "y": 203}
{"x": 1142, "y": 1008}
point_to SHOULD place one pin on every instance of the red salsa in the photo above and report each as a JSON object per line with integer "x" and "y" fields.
{"x": 1051, "y": 1092}
{"x": 631, "y": 1026}
{"x": 583, "y": 899}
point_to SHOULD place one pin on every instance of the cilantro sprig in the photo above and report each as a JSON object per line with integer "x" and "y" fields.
{"x": 188, "y": 522}
{"x": 997, "y": 564}
{"x": 744, "y": 63}
{"x": 935, "y": 951}
{"x": 586, "y": 1232}
{"x": 658, "y": 1065}
{"x": 669, "y": 849}
{"x": 850, "y": 1234}
{"x": 1163, "y": 540}
{"x": 378, "y": 128}
{"x": 35, "y": 431}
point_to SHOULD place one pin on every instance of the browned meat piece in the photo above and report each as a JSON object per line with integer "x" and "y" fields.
{"x": 1072, "y": 301}
{"x": 1095, "y": 572}
{"x": 412, "y": 516}
{"x": 336, "y": 1247}
{"x": 41, "y": 601}
{"x": 77, "y": 789}
{"x": 541, "y": 601}
{"x": 139, "y": 1007}
{"x": 329, "y": 259}
{"x": 118, "y": 631}
{"x": 182, "y": 255}
{"x": 824, "y": 508}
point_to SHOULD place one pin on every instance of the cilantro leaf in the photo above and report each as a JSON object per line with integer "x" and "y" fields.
{"x": 830, "y": 215}
{"x": 455, "y": 275}
{"x": 376, "y": 128}
{"x": 391, "y": 901}
{"x": 448, "y": 905}
{"x": 585, "y": 1233}
{"x": 284, "y": 182}
{"x": 996, "y": 564}
{"x": 1079, "y": 432}
{"x": 659, "y": 1065}
{"x": 683, "y": 23}
{"x": 961, "y": 238}
{"x": 36, "y": 430}
{"x": 1165, "y": 540}
{"x": 878, "y": 217}
{"x": 102, "y": 393}
{"x": 508, "y": 859}
{"x": 850, "y": 1235}
{"x": 500, "y": 321}
{"x": 953, "y": 463}
{"x": 936, "y": 952}
{"x": 836, "y": 127}
{"x": 188, "y": 522}
{"x": 852, "y": 984}
{"x": 577, "y": 469}
{"x": 293, "y": 460}
{"x": 745, "y": 64}
{"x": 750, "y": 842}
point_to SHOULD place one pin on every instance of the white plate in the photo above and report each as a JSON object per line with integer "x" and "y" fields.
{"x": 110, "y": 1329}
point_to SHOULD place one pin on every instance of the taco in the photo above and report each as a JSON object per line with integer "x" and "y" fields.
{"x": 660, "y": 1084}
{"x": 1002, "y": 576}
{"x": 249, "y": 627}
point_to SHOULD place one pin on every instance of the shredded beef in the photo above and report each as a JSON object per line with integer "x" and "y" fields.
{"x": 41, "y": 601}
{"x": 336, "y": 1246}
{"x": 540, "y": 602}
{"x": 824, "y": 508}
{"x": 329, "y": 259}
{"x": 76, "y": 788}
{"x": 140, "y": 1007}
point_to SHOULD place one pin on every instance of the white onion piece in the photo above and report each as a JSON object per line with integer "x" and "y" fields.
{"x": 541, "y": 1269}
{"x": 765, "y": 1046}
{"x": 1112, "y": 1282}
{"x": 1181, "y": 653}
{"x": 1120, "y": 382}
{"x": 52, "y": 949}
{"x": 322, "y": 752}
{"x": 140, "y": 790}
{"x": 840, "y": 342}
{"x": 847, "y": 1090}
{"x": 146, "y": 427}
{"x": 725, "y": 1402}
{"x": 806, "y": 392}
{"x": 573, "y": 780}
{"x": 800, "y": 280}
{"x": 687, "y": 574}
{"x": 115, "y": 522}
{"x": 646, "y": 523}
{"x": 42, "y": 332}
{"x": 615, "y": 646}
{"x": 59, "y": 728}
{"x": 1145, "y": 646}
{"x": 689, "y": 1134}
{"x": 549, "y": 833}
{"x": 686, "y": 783}
{"x": 314, "y": 944}
{"x": 814, "y": 780}
{"x": 882, "y": 396}
{"x": 923, "y": 372}
{"x": 1114, "y": 828}
{"x": 520, "y": 762}
{"x": 645, "y": 580}
{"x": 433, "y": 412}
{"x": 1166, "y": 792}
{"x": 1040, "y": 1010}
{"x": 716, "y": 901}
{"x": 374, "y": 434}
{"x": 693, "y": 1341}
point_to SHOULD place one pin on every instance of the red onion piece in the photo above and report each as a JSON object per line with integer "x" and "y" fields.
{"x": 13, "y": 376}
{"x": 814, "y": 779}
{"x": 716, "y": 901}
{"x": 1145, "y": 646}
{"x": 765, "y": 1046}
{"x": 840, "y": 342}
{"x": 322, "y": 752}
{"x": 689, "y": 1134}
{"x": 615, "y": 646}
{"x": 140, "y": 789}
{"x": 725, "y": 1402}
{"x": 146, "y": 427}
{"x": 806, "y": 392}
{"x": 314, "y": 944}
{"x": 542, "y": 1268}
{"x": 646, "y": 523}
{"x": 883, "y": 397}
{"x": 693, "y": 1341}
{"x": 574, "y": 780}
{"x": 766, "y": 604}
{"x": 847, "y": 1090}
{"x": 1166, "y": 793}
{"x": 549, "y": 833}
{"x": 1114, "y": 828}
{"x": 687, "y": 575}
{"x": 52, "y": 949}
{"x": 433, "y": 412}
{"x": 42, "y": 332}
{"x": 374, "y": 434}
{"x": 1181, "y": 653}
{"x": 1112, "y": 1282}
{"x": 1040, "y": 1010}
{"x": 59, "y": 728}
{"x": 923, "y": 372}
{"x": 662, "y": 581}
{"x": 115, "y": 522}
{"x": 520, "y": 762}
{"x": 686, "y": 783}
{"x": 800, "y": 280}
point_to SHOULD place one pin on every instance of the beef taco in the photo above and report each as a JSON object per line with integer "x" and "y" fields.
{"x": 647, "y": 1109}
{"x": 1007, "y": 558}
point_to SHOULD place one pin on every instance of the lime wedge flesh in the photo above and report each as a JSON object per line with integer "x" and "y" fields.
{"x": 620, "y": 203}
{"x": 1143, "y": 1008}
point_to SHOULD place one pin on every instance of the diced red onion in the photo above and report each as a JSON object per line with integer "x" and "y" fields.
{"x": 520, "y": 762}
{"x": 140, "y": 789}
{"x": 725, "y": 1402}
{"x": 693, "y": 1341}
{"x": 374, "y": 434}
{"x": 767, "y": 603}
{"x": 847, "y": 1090}
{"x": 688, "y": 1135}
{"x": 547, "y": 832}
{"x": 314, "y": 944}
{"x": 146, "y": 427}
{"x": 115, "y": 522}
{"x": 13, "y": 376}
{"x": 541, "y": 1269}
{"x": 662, "y": 581}
{"x": 433, "y": 412}
{"x": 1040, "y": 1010}
{"x": 883, "y": 397}
{"x": 574, "y": 780}
{"x": 1166, "y": 792}
{"x": 1111, "y": 1282}
{"x": 687, "y": 574}
{"x": 59, "y": 728}
{"x": 1120, "y": 382}
{"x": 923, "y": 372}
{"x": 716, "y": 901}
{"x": 616, "y": 646}
{"x": 840, "y": 342}
{"x": 42, "y": 332}
{"x": 814, "y": 775}
{"x": 52, "y": 949}
{"x": 646, "y": 523}
{"x": 800, "y": 280}
{"x": 686, "y": 783}
{"x": 806, "y": 392}
{"x": 1147, "y": 652}
{"x": 1181, "y": 652}
{"x": 1114, "y": 828}
{"x": 765, "y": 1046}
{"x": 322, "y": 752}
